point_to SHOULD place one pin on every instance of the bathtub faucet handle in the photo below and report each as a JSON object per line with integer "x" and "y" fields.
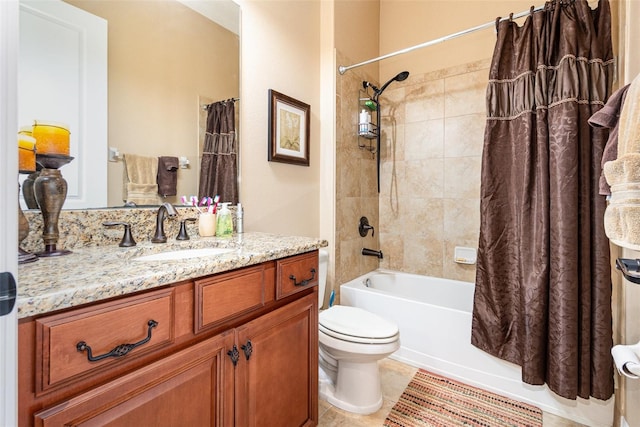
{"x": 364, "y": 227}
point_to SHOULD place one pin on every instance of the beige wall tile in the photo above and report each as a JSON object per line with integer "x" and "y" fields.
{"x": 464, "y": 135}
{"x": 392, "y": 142}
{"x": 429, "y": 199}
{"x": 465, "y": 93}
{"x": 421, "y": 178}
{"x": 422, "y": 217}
{"x": 462, "y": 177}
{"x": 461, "y": 219}
{"x": 425, "y": 102}
{"x": 393, "y": 249}
{"x": 424, "y": 140}
{"x": 423, "y": 255}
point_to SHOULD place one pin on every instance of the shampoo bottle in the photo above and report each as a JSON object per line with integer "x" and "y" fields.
{"x": 364, "y": 124}
{"x": 224, "y": 223}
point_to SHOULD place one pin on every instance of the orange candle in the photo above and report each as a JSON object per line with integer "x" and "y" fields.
{"x": 51, "y": 137}
{"x": 26, "y": 153}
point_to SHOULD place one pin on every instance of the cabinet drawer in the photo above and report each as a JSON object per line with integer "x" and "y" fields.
{"x": 222, "y": 297}
{"x": 102, "y": 327}
{"x": 296, "y": 273}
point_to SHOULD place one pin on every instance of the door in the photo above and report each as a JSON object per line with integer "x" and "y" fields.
{"x": 9, "y": 216}
{"x": 63, "y": 78}
{"x": 277, "y": 382}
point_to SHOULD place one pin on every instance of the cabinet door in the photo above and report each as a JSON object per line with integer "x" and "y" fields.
{"x": 277, "y": 385}
{"x": 193, "y": 387}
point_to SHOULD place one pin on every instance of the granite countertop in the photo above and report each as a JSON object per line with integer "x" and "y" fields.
{"x": 94, "y": 273}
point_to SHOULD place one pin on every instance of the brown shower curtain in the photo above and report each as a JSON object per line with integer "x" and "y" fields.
{"x": 543, "y": 286}
{"x": 219, "y": 165}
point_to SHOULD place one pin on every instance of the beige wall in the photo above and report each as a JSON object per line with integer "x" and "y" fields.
{"x": 357, "y": 33}
{"x": 281, "y": 51}
{"x": 628, "y": 393}
{"x": 405, "y": 23}
{"x": 162, "y": 57}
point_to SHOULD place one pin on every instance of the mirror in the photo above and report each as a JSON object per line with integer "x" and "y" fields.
{"x": 166, "y": 60}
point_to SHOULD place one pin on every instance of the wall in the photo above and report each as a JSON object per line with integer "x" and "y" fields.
{"x": 408, "y": 23}
{"x": 161, "y": 58}
{"x": 628, "y": 392}
{"x": 356, "y": 38}
{"x": 280, "y": 50}
{"x": 356, "y": 187}
{"x": 432, "y": 130}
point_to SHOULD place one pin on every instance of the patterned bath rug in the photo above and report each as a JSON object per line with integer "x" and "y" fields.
{"x": 435, "y": 401}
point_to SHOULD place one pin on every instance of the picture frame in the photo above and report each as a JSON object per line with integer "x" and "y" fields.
{"x": 289, "y": 121}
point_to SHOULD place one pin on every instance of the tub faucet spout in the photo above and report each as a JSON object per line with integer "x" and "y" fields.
{"x": 164, "y": 210}
{"x": 371, "y": 252}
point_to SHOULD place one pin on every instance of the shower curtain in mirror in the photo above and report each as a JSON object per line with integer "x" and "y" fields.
{"x": 219, "y": 165}
{"x": 543, "y": 286}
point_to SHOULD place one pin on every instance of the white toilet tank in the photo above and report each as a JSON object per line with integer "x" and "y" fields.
{"x": 323, "y": 266}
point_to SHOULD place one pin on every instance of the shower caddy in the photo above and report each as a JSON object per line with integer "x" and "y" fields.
{"x": 368, "y": 129}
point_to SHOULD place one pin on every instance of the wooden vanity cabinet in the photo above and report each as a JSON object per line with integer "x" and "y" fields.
{"x": 254, "y": 367}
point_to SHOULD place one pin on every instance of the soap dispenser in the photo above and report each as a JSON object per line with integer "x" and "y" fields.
{"x": 224, "y": 223}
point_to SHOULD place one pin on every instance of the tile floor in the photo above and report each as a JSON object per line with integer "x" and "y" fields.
{"x": 395, "y": 377}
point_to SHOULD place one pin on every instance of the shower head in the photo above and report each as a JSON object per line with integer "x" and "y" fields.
{"x": 398, "y": 78}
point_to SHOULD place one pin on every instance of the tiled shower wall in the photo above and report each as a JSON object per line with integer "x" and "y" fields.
{"x": 433, "y": 129}
{"x": 356, "y": 188}
{"x": 432, "y": 137}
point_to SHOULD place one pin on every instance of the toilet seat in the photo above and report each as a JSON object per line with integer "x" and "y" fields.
{"x": 355, "y": 325}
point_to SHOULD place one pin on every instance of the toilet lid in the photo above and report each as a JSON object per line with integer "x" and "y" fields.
{"x": 342, "y": 321}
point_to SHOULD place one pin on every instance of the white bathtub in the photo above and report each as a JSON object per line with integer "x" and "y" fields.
{"x": 434, "y": 317}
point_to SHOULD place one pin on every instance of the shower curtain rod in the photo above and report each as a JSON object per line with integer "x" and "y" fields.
{"x": 344, "y": 69}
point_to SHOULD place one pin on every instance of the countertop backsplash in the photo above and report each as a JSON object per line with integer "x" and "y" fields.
{"x": 83, "y": 228}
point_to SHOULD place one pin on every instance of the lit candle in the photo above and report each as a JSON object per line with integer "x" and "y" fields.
{"x": 51, "y": 137}
{"x": 26, "y": 153}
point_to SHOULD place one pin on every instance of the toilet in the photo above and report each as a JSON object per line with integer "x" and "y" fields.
{"x": 351, "y": 342}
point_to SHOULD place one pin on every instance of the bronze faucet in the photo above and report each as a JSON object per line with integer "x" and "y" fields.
{"x": 164, "y": 210}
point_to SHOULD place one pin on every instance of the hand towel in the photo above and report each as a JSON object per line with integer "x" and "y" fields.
{"x": 167, "y": 176}
{"x": 139, "y": 179}
{"x": 608, "y": 117}
{"x": 622, "y": 216}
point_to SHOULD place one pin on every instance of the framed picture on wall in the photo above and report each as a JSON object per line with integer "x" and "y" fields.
{"x": 288, "y": 129}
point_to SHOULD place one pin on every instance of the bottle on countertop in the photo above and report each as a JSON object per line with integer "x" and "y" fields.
{"x": 239, "y": 218}
{"x": 224, "y": 222}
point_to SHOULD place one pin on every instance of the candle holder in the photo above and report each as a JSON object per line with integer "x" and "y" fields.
{"x": 50, "y": 190}
{"x": 27, "y": 189}
{"x": 23, "y": 231}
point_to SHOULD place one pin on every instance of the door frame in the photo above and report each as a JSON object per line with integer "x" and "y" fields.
{"x": 9, "y": 195}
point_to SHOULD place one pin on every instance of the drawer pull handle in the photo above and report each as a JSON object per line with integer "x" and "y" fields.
{"x": 305, "y": 282}
{"x": 234, "y": 355}
{"x": 248, "y": 349}
{"x": 120, "y": 350}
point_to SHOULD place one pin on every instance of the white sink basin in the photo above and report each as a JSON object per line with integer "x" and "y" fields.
{"x": 183, "y": 254}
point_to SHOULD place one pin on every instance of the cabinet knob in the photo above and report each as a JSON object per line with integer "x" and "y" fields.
{"x": 247, "y": 348}
{"x": 234, "y": 355}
